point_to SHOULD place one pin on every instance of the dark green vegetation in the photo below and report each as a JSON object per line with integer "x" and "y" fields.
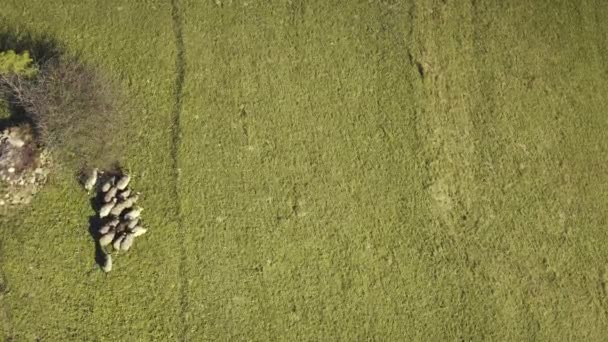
{"x": 423, "y": 170}
{"x": 71, "y": 107}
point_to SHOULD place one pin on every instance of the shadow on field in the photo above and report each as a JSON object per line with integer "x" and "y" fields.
{"x": 41, "y": 49}
{"x": 95, "y": 224}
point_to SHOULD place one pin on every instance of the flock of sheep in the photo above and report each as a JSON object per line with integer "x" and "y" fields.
{"x": 120, "y": 217}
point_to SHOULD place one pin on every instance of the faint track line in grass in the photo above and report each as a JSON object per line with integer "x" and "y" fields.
{"x": 180, "y": 66}
{"x": 411, "y": 53}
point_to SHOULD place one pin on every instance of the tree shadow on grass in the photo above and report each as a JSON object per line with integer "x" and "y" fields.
{"x": 41, "y": 48}
{"x": 16, "y": 117}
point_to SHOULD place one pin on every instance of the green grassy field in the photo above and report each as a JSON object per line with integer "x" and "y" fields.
{"x": 420, "y": 170}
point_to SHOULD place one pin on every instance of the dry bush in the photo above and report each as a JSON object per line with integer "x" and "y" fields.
{"x": 75, "y": 111}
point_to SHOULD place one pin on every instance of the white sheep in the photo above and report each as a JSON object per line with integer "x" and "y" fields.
{"x": 138, "y": 231}
{"x": 106, "y": 208}
{"x": 105, "y": 229}
{"x": 118, "y": 241}
{"x": 108, "y": 226}
{"x": 107, "y": 264}
{"x": 107, "y": 238}
{"x": 134, "y": 213}
{"x": 123, "y": 195}
{"x": 123, "y": 182}
{"x": 118, "y": 208}
{"x": 127, "y": 242}
{"x": 107, "y": 185}
{"x": 91, "y": 180}
{"x": 110, "y": 194}
{"x": 126, "y": 204}
{"x": 121, "y": 227}
{"x": 133, "y": 223}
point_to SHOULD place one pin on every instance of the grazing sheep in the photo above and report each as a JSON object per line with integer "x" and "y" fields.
{"x": 105, "y": 229}
{"x": 123, "y": 195}
{"x": 123, "y": 182}
{"x": 133, "y": 223}
{"x": 108, "y": 184}
{"x": 110, "y": 194}
{"x": 121, "y": 227}
{"x": 138, "y": 231}
{"x": 107, "y": 264}
{"x": 107, "y": 238}
{"x": 134, "y": 198}
{"x": 109, "y": 225}
{"x": 118, "y": 241}
{"x": 106, "y": 208}
{"x": 126, "y": 204}
{"x": 134, "y": 213}
{"x": 117, "y": 210}
{"x": 127, "y": 242}
{"x": 129, "y": 202}
{"x": 91, "y": 181}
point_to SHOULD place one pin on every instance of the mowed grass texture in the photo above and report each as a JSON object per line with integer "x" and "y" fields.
{"x": 323, "y": 170}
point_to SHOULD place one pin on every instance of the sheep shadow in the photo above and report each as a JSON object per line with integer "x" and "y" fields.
{"x": 97, "y": 201}
{"x": 95, "y": 224}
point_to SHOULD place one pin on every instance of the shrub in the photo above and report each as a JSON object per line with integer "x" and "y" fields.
{"x": 74, "y": 111}
{"x": 14, "y": 63}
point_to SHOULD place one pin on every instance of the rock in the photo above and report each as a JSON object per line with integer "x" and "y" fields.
{"x": 11, "y": 170}
{"x": 16, "y": 142}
